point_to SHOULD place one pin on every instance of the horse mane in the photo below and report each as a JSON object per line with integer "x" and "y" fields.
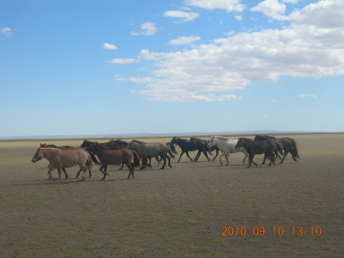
{"x": 221, "y": 137}
{"x": 194, "y": 138}
{"x": 101, "y": 146}
{"x": 139, "y": 142}
{"x": 119, "y": 141}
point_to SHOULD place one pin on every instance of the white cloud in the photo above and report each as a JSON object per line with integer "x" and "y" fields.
{"x": 271, "y": 8}
{"x": 312, "y": 96}
{"x": 228, "y": 5}
{"x": 273, "y": 101}
{"x": 183, "y": 40}
{"x": 302, "y": 95}
{"x": 109, "y": 46}
{"x": 323, "y": 14}
{"x": 147, "y": 29}
{"x": 6, "y": 31}
{"x": 123, "y": 61}
{"x": 132, "y": 91}
{"x": 265, "y": 115}
{"x": 183, "y": 15}
{"x": 238, "y": 17}
{"x": 230, "y": 63}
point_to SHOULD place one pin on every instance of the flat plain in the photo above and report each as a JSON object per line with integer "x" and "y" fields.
{"x": 181, "y": 211}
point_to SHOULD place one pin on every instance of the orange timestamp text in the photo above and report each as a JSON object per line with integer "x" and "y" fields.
{"x": 275, "y": 231}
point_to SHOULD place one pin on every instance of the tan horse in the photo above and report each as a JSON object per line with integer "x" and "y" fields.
{"x": 59, "y": 158}
{"x": 44, "y": 145}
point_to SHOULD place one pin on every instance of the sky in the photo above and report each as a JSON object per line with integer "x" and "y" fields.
{"x": 143, "y": 66}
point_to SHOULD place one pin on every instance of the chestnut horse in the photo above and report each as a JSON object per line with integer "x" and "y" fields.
{"x": 114, "y": 157}
{"x": 44, "y": 145}
{"x": 59, "y": 158}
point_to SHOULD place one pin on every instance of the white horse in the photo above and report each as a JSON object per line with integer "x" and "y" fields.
{"x": 226, "y": 146}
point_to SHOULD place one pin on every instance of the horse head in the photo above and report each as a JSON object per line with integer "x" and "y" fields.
{"x": 240, "y": 143}
{"x": 38, "y": 155}
{"x": 212, "y": 142}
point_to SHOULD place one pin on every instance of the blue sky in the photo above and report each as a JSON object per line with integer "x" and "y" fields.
{"x": 118, "y": 67}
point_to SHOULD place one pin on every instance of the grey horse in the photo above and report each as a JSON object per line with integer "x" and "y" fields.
{"x": 147, "y": 150}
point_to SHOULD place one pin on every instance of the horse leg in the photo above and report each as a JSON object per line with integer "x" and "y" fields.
{"x": 252, "y": 160}
{"x": 59, "y": 171}
{"x": 169, "y": 161}
{"x": 264, "y": 159}
{"x": 121, "y": 166}
{"x": 49, "y": 172}
{"x": 206, "y": 155}
{"x": 164, "y": 159}
{"x": 157, "y": 159}
{"x": 89, "y": 171}
{"x": 222, "y": 154}
{"x": 104, "y": 172}
{"x": 64, "y": 171}
{"x": 284, "y": 156}
{"x": 144, "y": 163}
{"x": 197, "y": 156}
{"x": 131, "y": 170}
{"x": 181, "y": 154}
{"x": 150, "y": 162}
{"x": 226, "y": 156}
{"x": 84, "y": 170}
{"x": 217, "y": 153}
{"x": 187, "y": 154}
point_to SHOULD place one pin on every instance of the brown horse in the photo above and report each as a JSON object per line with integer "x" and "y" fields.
{"x": 114, "y": 157}
{"x": 289, "y": 145}
{"x": 59, "y": 158}
{"x": 44, "y": 145}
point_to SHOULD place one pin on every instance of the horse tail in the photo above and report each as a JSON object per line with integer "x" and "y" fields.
{"x": 93, "y": 157}
{"x": 296, "y": 152}
{"x": 136, "y": 159}
{"x": 88, "y": 163}
{"x": 172, "y": 147}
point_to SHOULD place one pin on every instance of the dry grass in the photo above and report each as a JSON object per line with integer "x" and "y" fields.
{"x": 176, "y": 212}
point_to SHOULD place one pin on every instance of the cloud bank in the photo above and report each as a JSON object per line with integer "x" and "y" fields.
{"x": 312, "y": 46}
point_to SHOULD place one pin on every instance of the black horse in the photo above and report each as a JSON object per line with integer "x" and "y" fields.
{"x": 266, "y": 147}
{"x": 192, "y": 145}
{"x": 288, "y": 145}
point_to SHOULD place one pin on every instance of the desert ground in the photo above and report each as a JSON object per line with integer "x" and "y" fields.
{"x": 183, "y": 211}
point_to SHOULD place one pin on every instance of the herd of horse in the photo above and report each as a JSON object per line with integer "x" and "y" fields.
{"x": 117, "y": 152}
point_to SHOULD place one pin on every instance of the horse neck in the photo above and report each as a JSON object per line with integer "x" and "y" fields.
{"x": 99, "y": 149}
{"x": 48, "y": 153}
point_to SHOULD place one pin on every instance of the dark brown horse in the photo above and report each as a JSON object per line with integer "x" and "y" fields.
{"x": 265, "y": 147}
{"x": 289, "y": 145}
{"x": 213, "y": 148}
{"x": 114, "y": 157}
{"x": 44, "y": 145}
{"x": 192, "y": 145}
{"x": 116, "y": 145}
{"x": 59, "y": 158}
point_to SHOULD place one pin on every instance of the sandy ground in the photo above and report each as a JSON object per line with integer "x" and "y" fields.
{"x": 178, "y": 212}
